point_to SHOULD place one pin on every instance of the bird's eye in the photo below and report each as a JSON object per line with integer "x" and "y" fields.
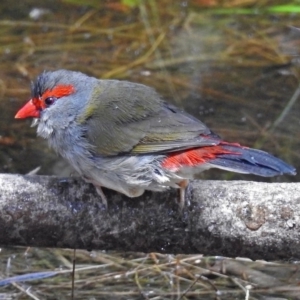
{"x": 50, "y": 100}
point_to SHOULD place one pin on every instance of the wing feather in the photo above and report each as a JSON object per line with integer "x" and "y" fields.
{"x": 130, "y": 118}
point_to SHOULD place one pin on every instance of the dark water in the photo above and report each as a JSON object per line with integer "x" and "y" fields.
{"x": 237, "y": 73}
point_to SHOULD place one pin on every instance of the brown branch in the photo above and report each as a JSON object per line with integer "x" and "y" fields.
{"x": 229, "y": 218}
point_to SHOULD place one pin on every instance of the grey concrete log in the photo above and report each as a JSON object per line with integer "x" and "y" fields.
{"x": 229, "y": 218}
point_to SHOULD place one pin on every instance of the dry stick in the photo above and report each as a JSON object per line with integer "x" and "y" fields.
{"x": 141, "y": 60}
{"x": 287, "y": 109}
{"x": 279, "y": 120}
{"x": 73, "y": 274}
{"x": 115, "y": 30}
{"x": 229, "y": 218}
{"x": 157, "y": 53}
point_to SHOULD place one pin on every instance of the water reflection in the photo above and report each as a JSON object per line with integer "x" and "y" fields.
{"x": 236, "y": 73}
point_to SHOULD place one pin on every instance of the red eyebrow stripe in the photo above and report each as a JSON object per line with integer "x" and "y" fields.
{"x": 59, "y": 91}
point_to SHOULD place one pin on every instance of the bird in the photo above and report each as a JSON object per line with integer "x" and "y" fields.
{"x": 123, "y": 136}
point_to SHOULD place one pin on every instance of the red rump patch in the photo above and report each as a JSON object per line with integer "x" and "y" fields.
{"x": 193, "y": 157}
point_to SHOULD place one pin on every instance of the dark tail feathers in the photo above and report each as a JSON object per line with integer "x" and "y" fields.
{"x": 252, "y": 161}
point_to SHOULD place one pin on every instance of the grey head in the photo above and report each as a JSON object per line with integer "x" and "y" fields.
{"x": 59, "y": 84}
{"x": 59, "y": 96}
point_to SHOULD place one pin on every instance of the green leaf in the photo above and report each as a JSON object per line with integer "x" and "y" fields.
{"x": 131, "y": 3}
{"x": 285, "y": 8}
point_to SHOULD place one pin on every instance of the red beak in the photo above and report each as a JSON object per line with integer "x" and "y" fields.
{"x": 29, "y": 110}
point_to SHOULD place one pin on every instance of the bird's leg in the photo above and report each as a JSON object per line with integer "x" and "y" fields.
{"x": 102, "y": 195}
{"x": 98, "y": 190}
{"x": 182, "y": 185}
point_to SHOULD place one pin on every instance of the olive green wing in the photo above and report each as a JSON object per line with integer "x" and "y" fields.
{"x": 130, "y": 118}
